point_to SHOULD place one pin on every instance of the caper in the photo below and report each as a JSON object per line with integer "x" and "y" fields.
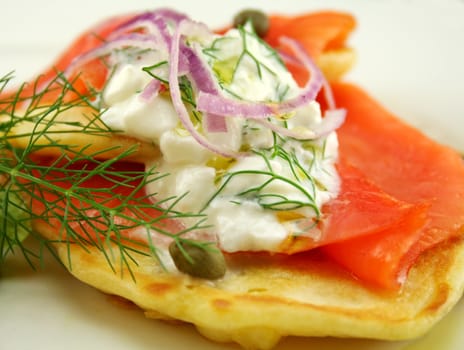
{"x": 258, "y": 19}
{"x": 198, "y": 260}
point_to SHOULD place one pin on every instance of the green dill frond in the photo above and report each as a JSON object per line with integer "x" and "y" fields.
{"x": 61, "y": 189}
{"x": 151, "y": 71}
{"x": 260, "y": 193}
{"x": 226, "y": 69}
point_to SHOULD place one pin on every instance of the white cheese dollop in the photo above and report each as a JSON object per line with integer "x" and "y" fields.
{"x": 237, "y": 213}
{"x": 246, "y": 226}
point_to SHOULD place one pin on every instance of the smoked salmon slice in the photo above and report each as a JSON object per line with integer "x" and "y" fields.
{"x": 361, "y": 209}
{"x": 321, "y": 34}
{"x": 409, "y": 166}
{"x": 122, "y": 204}
{"x": 317, "y": 32}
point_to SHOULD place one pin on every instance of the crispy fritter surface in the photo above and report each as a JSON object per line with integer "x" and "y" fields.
{"x": 263, "y": 298}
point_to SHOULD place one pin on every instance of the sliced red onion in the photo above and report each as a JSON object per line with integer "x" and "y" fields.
{"x": 151, "y": 90}
{"x": 222, "y": 105}
{"x": 162, "y": 28}
{"x": 199, "y": 72}
{"x": 314, "y": 83}
{"x": 172, "y": 15}
{"x": 328, "y": 95}
{"x": 152, "y": 21}
{"x": 215, "y": 123}
{"x": 153, "y": 28}
{"x": 225, "y": 106}
{"x": 202, "y": 78}
{"x": 177, "y": 98}
{"x": 157, "y": 38}
{"x": 138, "y": 40}
{"x": 327, "y": 90}
{"x": 262, "y": 112}
{"x": 185, "y": 60}
{"x": 333, "y": 119}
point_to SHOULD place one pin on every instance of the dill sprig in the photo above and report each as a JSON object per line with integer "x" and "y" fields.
{"x": 227, "y": 70}
{"x": 247, "y": 53}
{"x": 153, "y": 70}
{"x": 59, "y": 188}
{"x": 299, "y": 181}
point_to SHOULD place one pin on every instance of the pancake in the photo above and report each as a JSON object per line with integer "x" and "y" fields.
{"x": 82, "y": 132}
{"x": 259, "y": 301}
{"x": 262, "y": 297}
{"x": 336, "y": 63}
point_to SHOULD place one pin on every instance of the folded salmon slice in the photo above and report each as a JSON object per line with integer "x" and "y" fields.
{"x": 411, "y": 167}
{"x": 360, "y": 209}
{"x": 317, "y": 32}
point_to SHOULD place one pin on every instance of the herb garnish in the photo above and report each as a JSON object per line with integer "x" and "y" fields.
{"x": 31, "y": 181}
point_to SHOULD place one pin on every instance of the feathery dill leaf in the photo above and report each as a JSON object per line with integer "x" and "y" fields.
{"x": 58, "y": 189}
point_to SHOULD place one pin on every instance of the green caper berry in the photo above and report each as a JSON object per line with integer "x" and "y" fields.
{"x": 197, "y": 261}
{"x": 258, "y": 19}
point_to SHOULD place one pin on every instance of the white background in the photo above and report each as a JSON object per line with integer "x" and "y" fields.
{"x": 411, "y": 57}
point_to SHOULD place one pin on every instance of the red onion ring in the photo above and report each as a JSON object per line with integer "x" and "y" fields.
{"x": 332, "y": 120}
{"x": 186, "y": 60}
{"x": 185, "y": 27}
{"x": 327, "y": 90}
{"x": 152, "y": 21}
{"x": 138, "y": 40}
{"x": 221, "y": 105}
{"x": 151, "y": 90}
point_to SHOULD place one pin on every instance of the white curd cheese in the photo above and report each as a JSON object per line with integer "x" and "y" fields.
{"x": 180, "y": 148}
{"x": 145, "y": 120}
{"x": 240, "y": 198}
{"x": 127, "y": 81}
{"x": 195, "y": 182}
{"x": 256, "y": 74}
{"x": 245, "y": 226}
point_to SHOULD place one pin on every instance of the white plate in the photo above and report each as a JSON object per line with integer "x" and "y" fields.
{"x": 410, "y": 58}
